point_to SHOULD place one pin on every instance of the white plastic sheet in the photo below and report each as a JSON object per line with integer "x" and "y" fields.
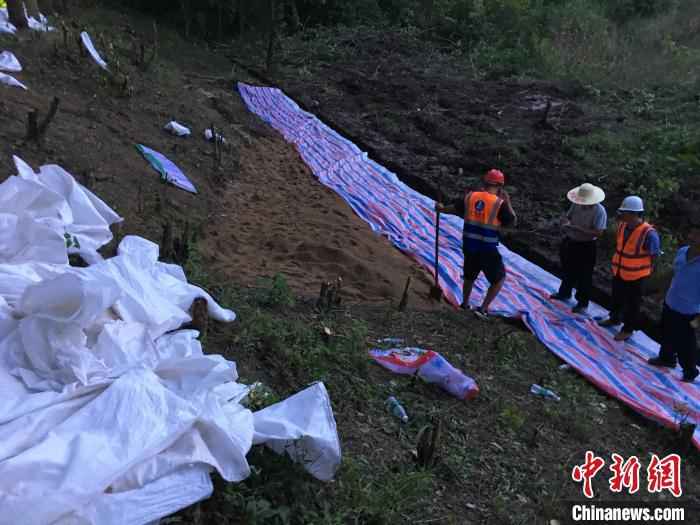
{"x": 177, "y": 129}
{"x": 5, "y": 25}
{"x": 11, "y": 81}
{"x": 9, "y": 62}
{"x": 37, "y": 25}
{"x": 87, "y": 42}
{"x": 42, "y": 24}
{"x": 309, "y": 436}
{"x": 109, "y": 414}
{"x": 53, "y": 199}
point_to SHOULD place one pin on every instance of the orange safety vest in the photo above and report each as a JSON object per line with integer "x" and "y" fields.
{"x": 632, "y": 261}
{"x": 481, "y": 221}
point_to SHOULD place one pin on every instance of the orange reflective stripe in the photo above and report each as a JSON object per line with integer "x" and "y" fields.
{"x": 620, "y": 237}
{"x": 642, "y": 237}
{"x": 635, "y": 256}
{"x": 633, "y": 268}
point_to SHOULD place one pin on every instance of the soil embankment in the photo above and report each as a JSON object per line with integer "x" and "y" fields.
{"x": 261, "y": 213}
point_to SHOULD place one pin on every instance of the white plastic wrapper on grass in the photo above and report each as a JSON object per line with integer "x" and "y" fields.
{"x": 11, "y": 81}
{"x": 178, "y": 129}
{"x": 42, "y": 24}
{"x": 5, "y": 25}
{"x": 87, "y": 42}
{"x": 303, "y": 427}
{"x": 54, "y": 199}
{"x": 9, "y": 62}
{"x": 37, "y": 25}
{"x": 210, "y": 136}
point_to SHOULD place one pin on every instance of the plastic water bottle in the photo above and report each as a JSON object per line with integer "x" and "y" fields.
{"x": 390, "y": 341}
{"x": 439, "y": 371}
{"x": 396, "y": 409}
{"x": 544, "y": 392}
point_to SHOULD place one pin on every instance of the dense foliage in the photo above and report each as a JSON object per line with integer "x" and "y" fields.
{"x": 589, "y": 39}
{"x": 466, "y": 17}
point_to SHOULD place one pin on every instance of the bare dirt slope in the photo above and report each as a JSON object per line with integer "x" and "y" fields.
{"x": 260, "y": 214}
{"x": 277, "y": 218}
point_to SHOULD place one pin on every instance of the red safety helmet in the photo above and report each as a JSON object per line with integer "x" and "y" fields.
{"x": 495, "y": 177}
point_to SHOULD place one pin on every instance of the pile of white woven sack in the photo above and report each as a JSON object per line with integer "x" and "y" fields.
{"x": 109, "y": 413}
{"x": 40, "y": 24}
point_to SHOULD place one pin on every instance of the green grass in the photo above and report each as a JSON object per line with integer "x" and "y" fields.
{"x": 502, "y": 449}
{"x": 290, "y": 341}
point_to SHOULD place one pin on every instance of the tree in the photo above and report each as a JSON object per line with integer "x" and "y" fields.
{"x": 15, "y": 12}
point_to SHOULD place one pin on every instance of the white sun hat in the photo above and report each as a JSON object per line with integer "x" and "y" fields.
{"x": 586, "y": 194}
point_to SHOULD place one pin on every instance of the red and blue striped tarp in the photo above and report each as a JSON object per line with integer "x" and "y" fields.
{"x": 407, "y": 219}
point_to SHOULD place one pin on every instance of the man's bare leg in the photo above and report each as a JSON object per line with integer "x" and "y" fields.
{"x": 466, "y": 293}
{"x": 491, "y": 294}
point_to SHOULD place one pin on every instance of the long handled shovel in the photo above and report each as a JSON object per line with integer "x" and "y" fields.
{"x": 435, "y": 290}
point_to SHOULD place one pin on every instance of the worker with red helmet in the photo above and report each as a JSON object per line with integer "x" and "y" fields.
{"x": 485, "y": 212}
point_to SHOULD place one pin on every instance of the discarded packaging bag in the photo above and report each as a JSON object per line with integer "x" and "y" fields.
{"x": 209, "y": 136}
{"x": 11, "y": 81}
{"x": 177, "y": 129}
{"x": 308, "y": 437}
{"x": 430, "y": 366}
{"x": 53, "y": 197}
{"x": 5, "y": 25}
{"x": 9, "y": 62}
{"x": 87, "y": 42}
{"x": 167, "y": 169}
{"x": 37, "y": 25}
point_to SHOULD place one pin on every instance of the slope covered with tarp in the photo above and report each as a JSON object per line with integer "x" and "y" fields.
{"x": 407, "y": 219}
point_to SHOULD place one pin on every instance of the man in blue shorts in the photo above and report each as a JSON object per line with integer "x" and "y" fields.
{"x": 484, "y": 212}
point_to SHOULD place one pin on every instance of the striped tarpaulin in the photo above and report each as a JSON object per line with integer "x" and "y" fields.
{"x": 407, "y": 219}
